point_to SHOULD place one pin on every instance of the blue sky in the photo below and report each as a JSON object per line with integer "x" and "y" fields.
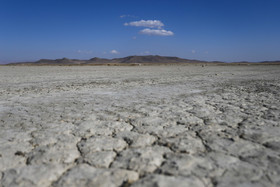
{"x": 225, "y": 30}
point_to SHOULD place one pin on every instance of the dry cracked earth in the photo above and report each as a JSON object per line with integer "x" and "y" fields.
{"x": 140, "y": 126}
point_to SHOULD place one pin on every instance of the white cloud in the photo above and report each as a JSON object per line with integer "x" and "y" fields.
{"x": 156, "y": 32}
{"x": 193, "y": 51}
{"x": 146, "y": 23}
{"x": 114, "y": 52}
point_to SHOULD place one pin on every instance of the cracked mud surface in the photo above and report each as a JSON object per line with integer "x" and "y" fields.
{"x": 140, "y": 126}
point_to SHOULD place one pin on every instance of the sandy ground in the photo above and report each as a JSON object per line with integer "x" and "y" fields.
{"x": 140, "y": 126}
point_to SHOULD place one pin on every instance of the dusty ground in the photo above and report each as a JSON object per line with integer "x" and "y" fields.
{"x": 140, "y": 126}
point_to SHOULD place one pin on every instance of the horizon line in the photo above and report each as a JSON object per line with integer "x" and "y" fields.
{"x": 33, "y": 61}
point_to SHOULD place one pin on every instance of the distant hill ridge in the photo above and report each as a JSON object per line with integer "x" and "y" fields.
{"x": 149, "y": 59}
{"x": 126, "y": 60}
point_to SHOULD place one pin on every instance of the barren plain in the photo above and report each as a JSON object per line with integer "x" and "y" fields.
{"x": 140, "y": 126}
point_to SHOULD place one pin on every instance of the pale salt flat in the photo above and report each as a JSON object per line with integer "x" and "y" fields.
{"x": 140, "y": 126}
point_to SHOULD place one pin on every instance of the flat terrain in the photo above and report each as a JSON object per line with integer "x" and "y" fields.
{"x": 140, "y": 126}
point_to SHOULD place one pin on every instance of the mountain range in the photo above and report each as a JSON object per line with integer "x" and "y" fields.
{"x": 130, "y": 60}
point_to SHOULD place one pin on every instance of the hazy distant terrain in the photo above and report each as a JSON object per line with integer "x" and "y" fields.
{"x": 140, "y": 126}
{"x": 130, "y": 60}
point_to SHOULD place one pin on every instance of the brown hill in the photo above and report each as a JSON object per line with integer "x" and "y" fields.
{"x": 152, "y": 59}
{"x": 63, "y": 61}
{"x": 97, "y": 60}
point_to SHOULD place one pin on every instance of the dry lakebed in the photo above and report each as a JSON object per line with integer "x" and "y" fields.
{"x": 140, "y": 126}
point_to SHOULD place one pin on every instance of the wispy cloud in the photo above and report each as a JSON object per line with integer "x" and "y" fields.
{"x": 145, "y": 53}
{"x": 146, "y": 23}
{"x": 84, "y": 52}
{"x": 193, "y": 51}
{"x": 114, "y": 52}
{"x": 127, "y": 16}
{"x": 156, "y": 32}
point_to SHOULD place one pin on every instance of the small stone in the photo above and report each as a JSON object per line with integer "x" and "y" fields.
{"x": 20, "y": 153}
